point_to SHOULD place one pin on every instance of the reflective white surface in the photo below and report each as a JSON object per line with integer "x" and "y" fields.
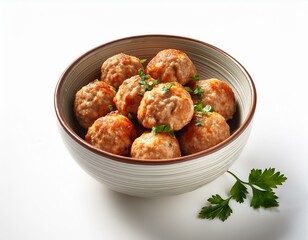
{"x": 45, "y": 195}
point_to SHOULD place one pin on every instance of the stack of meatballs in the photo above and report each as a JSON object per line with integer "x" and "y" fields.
{"x": 160, "y": 111}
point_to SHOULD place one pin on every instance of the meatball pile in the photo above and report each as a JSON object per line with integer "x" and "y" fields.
{"x": 159, "y": 111}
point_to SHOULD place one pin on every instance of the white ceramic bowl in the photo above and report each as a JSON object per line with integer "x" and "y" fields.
{"x": 149, "y": 178}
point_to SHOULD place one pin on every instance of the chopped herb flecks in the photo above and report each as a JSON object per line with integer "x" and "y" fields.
{"x": 198, "y": 91}
{"x": 199, "y": 123}
{"x": 188, "y": 89}
{"x": 111, "y": 108}
{"x": 167, "y": 88}
{"x": 196, "y": 78}
{"x": 148, "y": 85}
{"x": 130, "y": 116}
{"x": 208, "y": 109}
{"x": 163, "y": 129}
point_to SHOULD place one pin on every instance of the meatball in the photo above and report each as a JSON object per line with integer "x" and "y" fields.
{"x": 155, "y": 146}
{"x": 171, "y": 65}
{"x": 130, "y": 93}
{"x": 219, "y": 95}
{"x": 203, "y": 132}
{"x": 113, "y": 133}
{"x": 93, "y": 101}
{"x": 118, "y": 68}
{"x": 167, "y": 103}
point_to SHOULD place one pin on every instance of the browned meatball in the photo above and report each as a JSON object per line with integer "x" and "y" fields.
{"x": 203, "y": 132}
{"x": 93, "y": 101}
{"x": 155, "y": 146}
{"x": 219, "y": 95}
{"x": 167, "y": 103}
{"x": 113, "y": 133}
{"x": 130, "y": 93}
{"x": 118, "y": 68}
{"x": 171, "y": 65}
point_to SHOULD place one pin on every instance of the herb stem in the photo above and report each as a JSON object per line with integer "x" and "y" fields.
{"x": 233, "y": 175}
{"x": 247, "y": 183}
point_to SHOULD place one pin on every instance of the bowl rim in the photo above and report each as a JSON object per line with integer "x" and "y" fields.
{"x": 73, "y": 135}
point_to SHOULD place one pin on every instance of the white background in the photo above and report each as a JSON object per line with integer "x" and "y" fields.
{"x": 44, "y": 194}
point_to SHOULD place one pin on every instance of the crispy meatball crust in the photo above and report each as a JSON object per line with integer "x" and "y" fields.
{"x": 93, "y": 101}
{"x": 167, "y": 103}
{"x": 155, "y": 146}
{"x": 203, "y": 132}
{"x": 129, "y": 95}
{"x": 118, "y": 68}
{"x": 219, "y": 95}
{"x": 113, "y": 133}
{"x": 171, "y": 65}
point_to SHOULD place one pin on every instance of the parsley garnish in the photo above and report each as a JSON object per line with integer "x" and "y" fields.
{"x": 167, "y": 88}
{"x": 142, "y": 61}
{"x": 199, "y": 123}
{"x": 188, "y": 89}
{"x": 198, "y": 91}
{"x": 163, "y": 129}
{"x": 261, "y": 184}
{"x": 111, "y": 108}
{"x": 142, "y": 75}
{"x": 208, "y": 109}
{"x": 196, "y": 78}
{"x": 148, "y": 85}
{"x": 130, "y": 116}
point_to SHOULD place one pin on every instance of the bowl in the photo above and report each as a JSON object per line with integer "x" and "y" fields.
{"x": 153, "y": 178}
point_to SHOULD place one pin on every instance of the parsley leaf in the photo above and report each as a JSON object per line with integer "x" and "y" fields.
{"x": 144, "y": 80}
{"x": 111, "y": 108}
{"x": 219, "y": 208}
{"x": 239, "y": 192}
{"x": 261, "y": 184}
{"x": 196, "y": 78}
{"x": 267, "y": 179}
{"x": 208, "y": 109}
{"x": 199, "y": 123}
{"x": 198, "y": 107}
{"x": 188, "y": 89}
{"x": 163, "y": 129}
{"x": 263, "y": 198}
{"x": 198, "y": 91}
{"x": 167, "y": 88}
{"x": 142, "y": 75}
{"x": 130, "y": 116}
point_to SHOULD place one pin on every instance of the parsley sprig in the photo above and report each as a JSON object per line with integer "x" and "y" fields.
{"x": 208, "y": 109}
{"x": 148, "y": 85}
{"x": 261, "y": 183}
{"x": 200, "y": 111}
{"x": 196, "y": 92}
{"x": 196, "y": 77}
{"x": 163, "y": 129}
